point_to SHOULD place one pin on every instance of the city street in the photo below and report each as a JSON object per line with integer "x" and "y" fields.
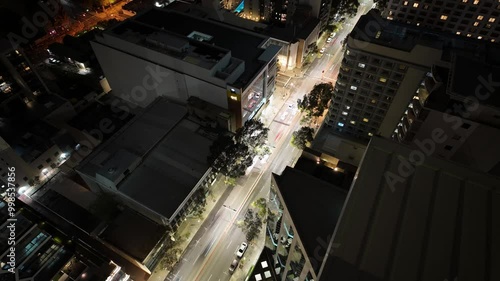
{"x": 210, "y": 253}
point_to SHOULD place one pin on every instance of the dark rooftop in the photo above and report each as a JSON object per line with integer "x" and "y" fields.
{"x": 92, "y": 117}
{"x": 243, "y": 44}
{"x": 437, "y": 222}
{"x": 311, "y": 200}
{"x": 133, "y": 233}
{"x": 30, "y": 138}
{"x": 466, "y": 75}
{"x": 69, "y": 210}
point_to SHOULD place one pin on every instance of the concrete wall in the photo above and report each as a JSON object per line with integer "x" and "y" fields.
{"x": 400, "y": 101}
{"x": 131, "y": 78}
{"x": 470, "y": 147}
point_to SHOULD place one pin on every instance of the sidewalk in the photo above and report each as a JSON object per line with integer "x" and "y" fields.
{"x": 251, "y": 256}
{"x": 190, "y": 226}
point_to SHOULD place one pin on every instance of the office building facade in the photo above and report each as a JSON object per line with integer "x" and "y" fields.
{"x": 457, "y": 102}
{"x": 379, "y": 73}
{"x": 471, "y": 18}
{"x": 162, "y": 52}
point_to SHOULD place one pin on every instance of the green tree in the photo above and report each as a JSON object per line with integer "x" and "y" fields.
{"x": 254, "y": 135}
{"x": 349, "y": 8}
{"x": 315, "y": 103}
{"x": 251, "y": 225}
{"x": 261, "y": 205}
{"x": 302, "y": 137}
{"x": 234, "y": 160}
{"x": 232, "y": 155}
{"x": 218, "y": 146}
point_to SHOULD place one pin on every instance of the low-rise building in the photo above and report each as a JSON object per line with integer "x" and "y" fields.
{"x": 155, "y": 164}
{"x": 43, "y": 252}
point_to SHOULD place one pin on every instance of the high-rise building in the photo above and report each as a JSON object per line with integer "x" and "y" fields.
{"x": 412, "y": 217}
{"x": 458, "y": 103}
{"x": 305, "y": 204}
{"x": 472, "y": 18}
{"x": 284, "y": 10}
{"x": 384, "y": 64}
{"x": 162, "y": 52}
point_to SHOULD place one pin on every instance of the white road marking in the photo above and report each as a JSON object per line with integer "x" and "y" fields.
{"x": 209, "y": 277}
{"x": 229, "y": 244}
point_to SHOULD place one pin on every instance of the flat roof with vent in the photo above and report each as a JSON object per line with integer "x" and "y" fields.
{"x": 208, "y": 38}
{"x": 156, "y": 160}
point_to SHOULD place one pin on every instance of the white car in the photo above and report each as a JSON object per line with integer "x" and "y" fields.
{"x": 328, "y": 40}
{"x": 322, "y": 50}
{"x": 241, "y": 250}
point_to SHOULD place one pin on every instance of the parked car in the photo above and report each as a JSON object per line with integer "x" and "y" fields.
{"x": 241, "y": 250}
{"x": 233, "y": 266}
{"x": 322, "y": 50}
{"x": 328, "y": 40}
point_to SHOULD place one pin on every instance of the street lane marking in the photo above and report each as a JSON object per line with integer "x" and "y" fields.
{"x": 229, "y": 244}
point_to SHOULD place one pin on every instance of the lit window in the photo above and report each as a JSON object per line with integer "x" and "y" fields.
{"x": 353, "y": 122}
{"x": 480, "y": 17}
{"x": 373, "y": 101}
{"x": 377, "y": 36}
{"x": 418, "y": 24}
{"x": 492, "y": 40}
{"x": 340, "y": 124}
{"x": 458, "y": 32}
{"x": 405, "y": 3}
{"x": 469, "y": 35}
{"x": 370, "y": 134}
{"x": 362, "y": 65}
{"x": 476, "y": 23}
{"x": 491, "y": 20}
{"x": 444, "y": 17}
{"x": 382, "y": 79}
{"x": 354, "y": 88}
{"x": 347, "y": 52}
{"x": 465, "y": 1}
{"x": 415, "y": 5}
{"x": 366, "y": 120}
{"x": 344, "y": 113}
{"x": 234, "y": 97}
{"x": 476, "y": 2}
{"x": 480, "y": 37}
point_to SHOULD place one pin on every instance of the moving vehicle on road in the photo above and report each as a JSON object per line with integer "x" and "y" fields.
{"x": 233, "y": 266}
{"x": 241, "y": 250}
